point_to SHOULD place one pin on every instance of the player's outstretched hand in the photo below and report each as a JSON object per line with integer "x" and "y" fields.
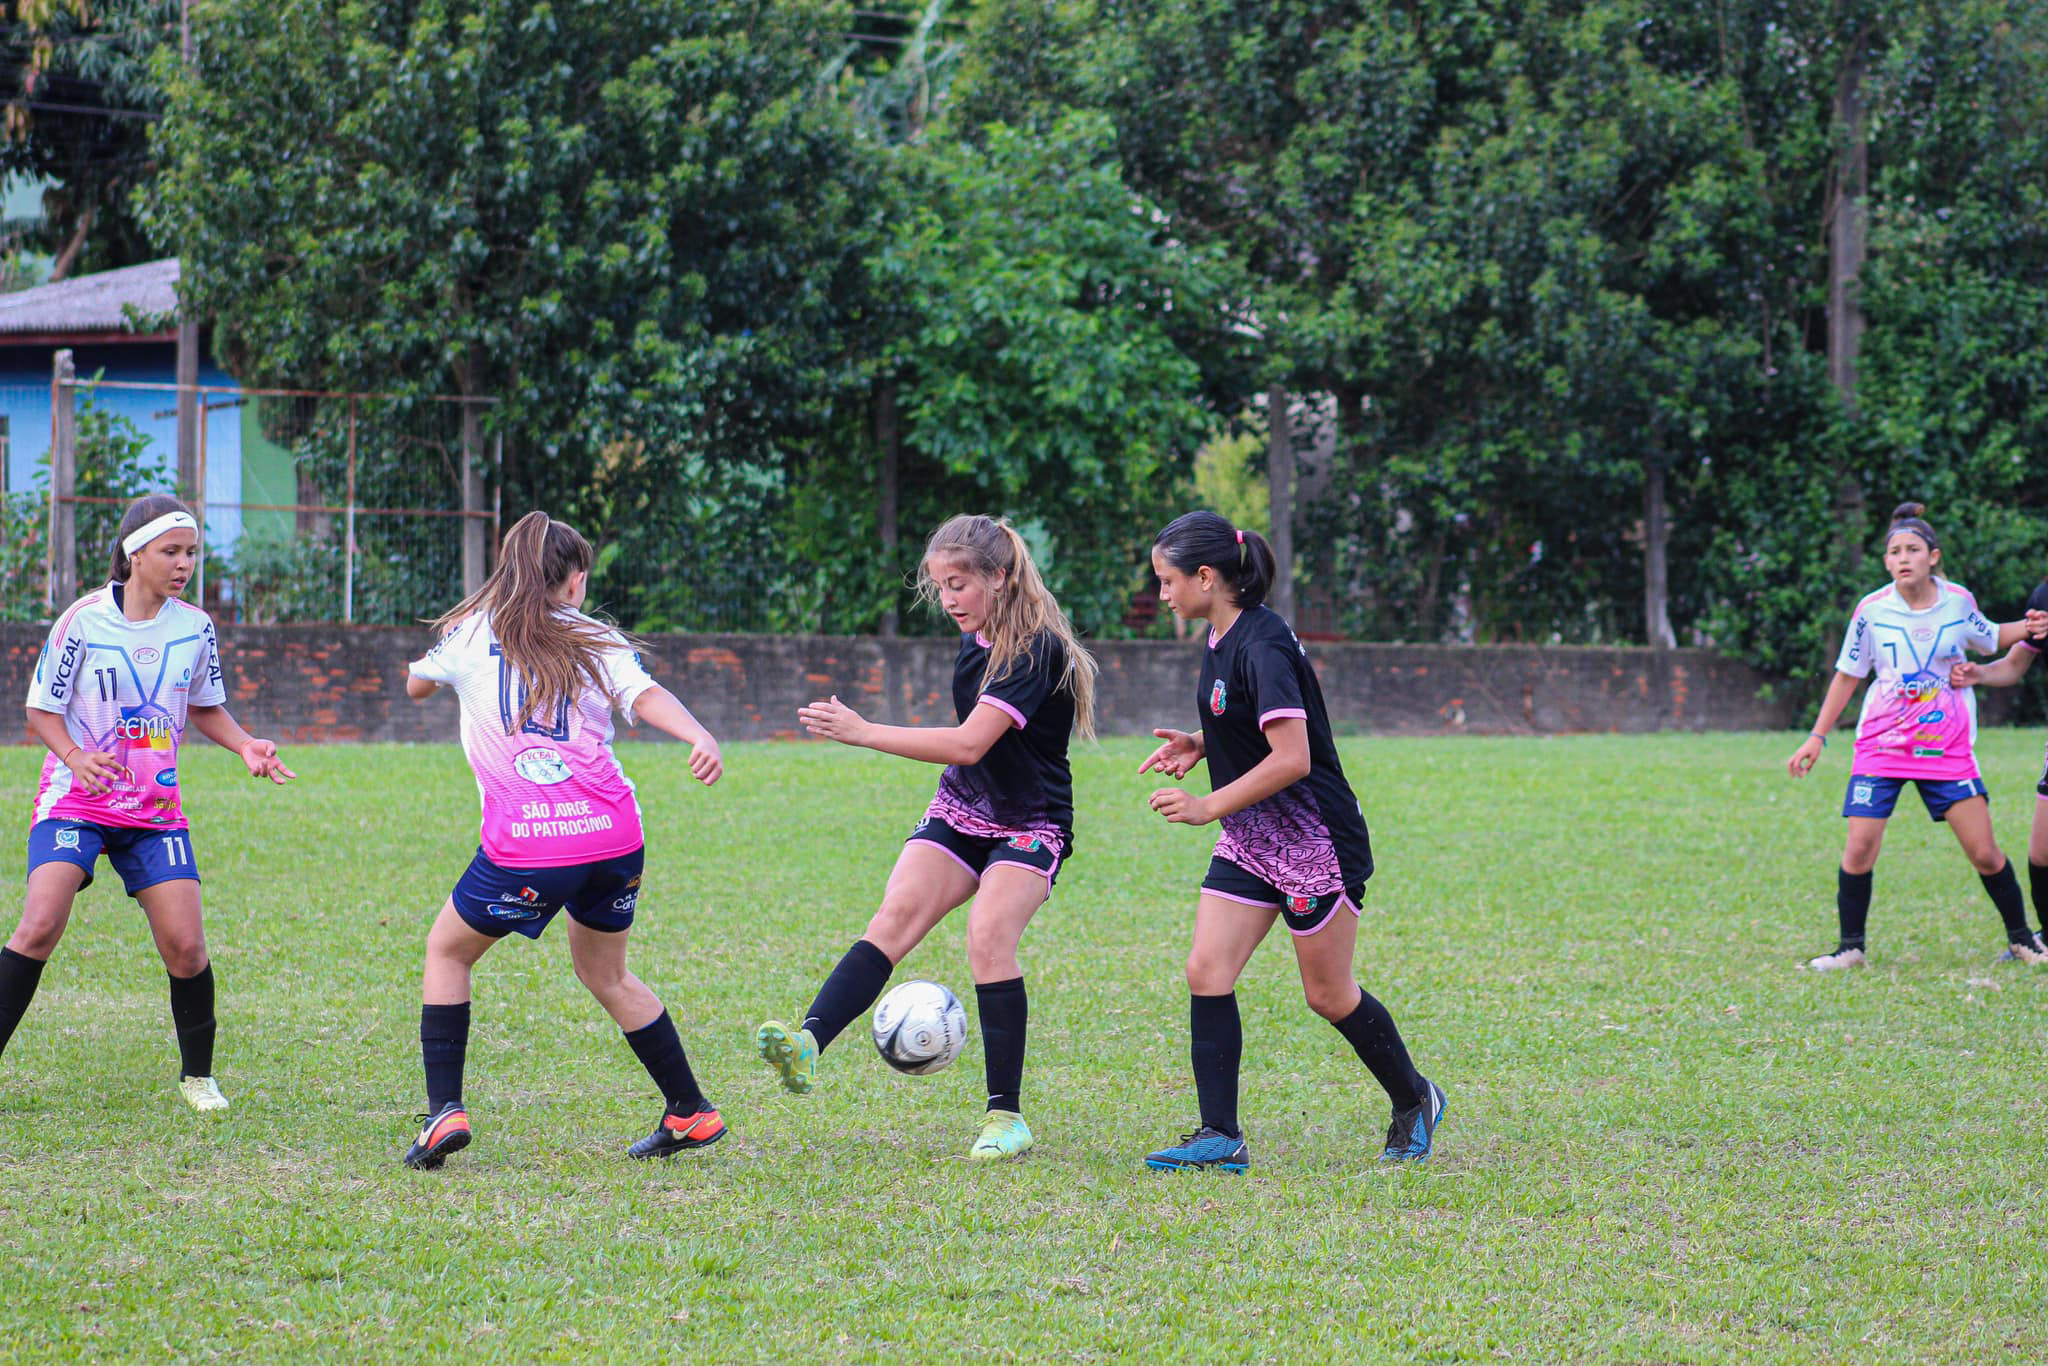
{"x": 1805, "y": 757}
{"x": 832, "y": 719}
{"x": 261, "y": 757}
{"x": 1963, "y": 674}
{"x": 706, "y": 763}
{"x": 1180, "y": 806}
{"x": 2037, "y": 623}
{"x": 97, "y": 773}
{"x": 1176, "y": 758}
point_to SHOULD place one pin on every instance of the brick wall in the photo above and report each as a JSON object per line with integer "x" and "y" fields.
{"x": 321, "y": 683}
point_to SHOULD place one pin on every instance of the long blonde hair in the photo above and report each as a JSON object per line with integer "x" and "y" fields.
{"x": 1018, "y": 610}
{"x": 555, "y": 654}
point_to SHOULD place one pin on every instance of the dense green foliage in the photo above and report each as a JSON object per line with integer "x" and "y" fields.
{"x": 1663, "y": 1144}
{"x": 1558, "y": 273}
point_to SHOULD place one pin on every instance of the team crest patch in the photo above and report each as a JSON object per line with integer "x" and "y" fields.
{"x": 1301, "y": 905}
{"x": 1217, "y": 699}
{"x": 67, "y": 839}
{"x": 1861, "y": 794}
{"x": 1028, "y": 843}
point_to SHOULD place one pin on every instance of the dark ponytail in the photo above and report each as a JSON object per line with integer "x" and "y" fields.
{"x": 140, "y": 513}
{"x": 1242, "y": 559}
{"x": 1912, "y": 517}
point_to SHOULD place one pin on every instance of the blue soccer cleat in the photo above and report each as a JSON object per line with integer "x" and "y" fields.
{"x": 1205, "y": 1147}
{"x": 1414, "y": 1129}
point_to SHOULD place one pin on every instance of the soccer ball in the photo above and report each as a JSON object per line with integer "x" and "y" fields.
{"x": 919, "y": 1028}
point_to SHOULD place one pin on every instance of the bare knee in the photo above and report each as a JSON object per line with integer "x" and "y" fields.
{"x": 37, "y": 935}
{"x": 184, "y": 954}
{"x": 895, "y": 926}
{"x": 602, "y": 979}
{"x": 1986, "y": 861}
{"x": 1209, "y": 976}
{"x": 1332, "y": 1000}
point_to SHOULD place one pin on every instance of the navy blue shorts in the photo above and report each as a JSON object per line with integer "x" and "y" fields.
{"x": 141, "y": 855}
{"x": 1875, "y": 797}
{"x": 499, "y": 901}
{"x": 1304, "y": 914}
{"x": 976, "y": 852}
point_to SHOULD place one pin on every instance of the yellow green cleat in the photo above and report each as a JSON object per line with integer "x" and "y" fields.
{"x": 1003, "y": 1134}
{"x": 791, "y": 1052}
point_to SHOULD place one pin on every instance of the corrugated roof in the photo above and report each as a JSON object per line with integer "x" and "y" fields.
{"x": 94, "y": 303}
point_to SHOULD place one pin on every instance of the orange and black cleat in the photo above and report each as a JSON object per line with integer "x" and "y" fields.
{"x": 676, "y": 1133}
{"x": 445, "y": 1132}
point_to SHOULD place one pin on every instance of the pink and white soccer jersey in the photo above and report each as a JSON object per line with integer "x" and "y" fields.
{"x": 1914, "y": 725}
{"x": 123, "y": 688}
{"x": 553, "y": 794}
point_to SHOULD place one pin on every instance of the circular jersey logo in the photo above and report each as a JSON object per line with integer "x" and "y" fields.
{"x": 542, "y": 767}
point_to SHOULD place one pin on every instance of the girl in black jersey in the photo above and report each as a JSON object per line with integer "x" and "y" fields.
{"x": 2003, "y": 673}
{"x": 1293, "y": 845}
{"x": 998, "y": 826}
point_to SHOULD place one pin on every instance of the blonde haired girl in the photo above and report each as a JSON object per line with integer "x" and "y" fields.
{"x": 999, "y": 824}
{"x": 538, "y": 682}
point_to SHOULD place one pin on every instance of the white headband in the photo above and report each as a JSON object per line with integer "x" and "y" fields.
{"x": 149, "y": 531}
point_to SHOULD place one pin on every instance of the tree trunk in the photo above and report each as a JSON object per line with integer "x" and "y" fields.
{"x": 1656, "y": 557}
{"x": 889, "y": 442}
{"x": 1280, "y": 487}
{"x": 1848, "y": 241}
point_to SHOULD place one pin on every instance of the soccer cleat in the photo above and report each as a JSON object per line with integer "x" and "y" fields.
{"x": 2028, "y": 950}
{"x": 677, "y": 1133}
{"x": 1003, "y": 1134}
{"x": 1836, "y": 961}
{"x": 1205, "y": 1147}
{"x": 446, "y": 1132}
{"x": 202, "y": 1093}
{"x": 791, "y": 1052}
{"x": 1414, "y": 1129}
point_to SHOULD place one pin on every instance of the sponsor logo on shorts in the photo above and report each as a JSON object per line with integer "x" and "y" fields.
{"x": 167, "y": 778}
{"x": 147, "y": 655}
{"x": 1217, "y": 699}
{"x": 1301, "y": 905}
{"x": 504, "y": 911}
{"x": 541, "y": 766}
{"x": 626, "y": 902}
{"x": 1862, "y": 794}
{"x": 67, "y": 838}
{"x": 1030, "y": 844}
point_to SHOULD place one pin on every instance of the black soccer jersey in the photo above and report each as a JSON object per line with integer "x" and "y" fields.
{"x": 1309, "y": 838}
{"x": 1023, "y": 784}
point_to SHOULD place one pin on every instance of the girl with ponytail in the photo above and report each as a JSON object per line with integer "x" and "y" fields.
{"x": 1293, "y": 847}
{"x": 999, "y": 825}
{"x": 1918, "y": 727}
{"x": 128, "y": 667}
{"x": 538, "y": 682}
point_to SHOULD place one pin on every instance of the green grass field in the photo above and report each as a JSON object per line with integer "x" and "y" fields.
{"x": 1664, "y": 1142}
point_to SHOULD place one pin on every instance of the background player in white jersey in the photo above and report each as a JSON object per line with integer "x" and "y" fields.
{"x": 126, "y": 667}
{"x": 998, "y": 826}
{"x": 538, "y": 681}
{"x": 2003, "y": 673}
{"x": 1916, "y": 727}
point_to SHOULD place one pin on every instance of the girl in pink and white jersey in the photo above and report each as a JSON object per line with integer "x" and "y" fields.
{"x": 538, "y": 682}
{"x": 1915, "y": 727}
{"x": 125, "y": 669}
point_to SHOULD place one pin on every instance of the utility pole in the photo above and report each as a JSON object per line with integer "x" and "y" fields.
{"x": 188, "y": 334}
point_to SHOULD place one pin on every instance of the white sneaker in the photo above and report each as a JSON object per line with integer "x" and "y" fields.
{"x": 2031, "y": 950}
{"x": 202, "y": 1093}
{"x": 1835, "y": 962}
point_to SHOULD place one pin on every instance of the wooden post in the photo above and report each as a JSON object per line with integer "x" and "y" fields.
{"x": 189, "y": 463}
{"x": 1657, "y": 631}
{"x": 62, "y": 581}
{"x": 199, "y": 508}
{"x": 1280, "y": 494}
{"x": 348, "y": 533}
{"x": 888, "y": 436}
{"x": 474, "y": 530}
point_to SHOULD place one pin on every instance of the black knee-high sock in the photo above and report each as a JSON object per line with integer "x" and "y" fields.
{"x": 2004, "y": 888}
{"x": 1371, "y": 1033}
{"x": 192, "y": 1015}
{"x": 1004, "y": 1014}
{"x": 2037, "y": 883}
{"x": 1216, "y": 1048}
{"x": 19, "y": 974}
{"x": 444, "y": 1044}
{"x": 1852, "y": 907}
{"x": 660, "y": 1051}
{"x": 853, "y": 986}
